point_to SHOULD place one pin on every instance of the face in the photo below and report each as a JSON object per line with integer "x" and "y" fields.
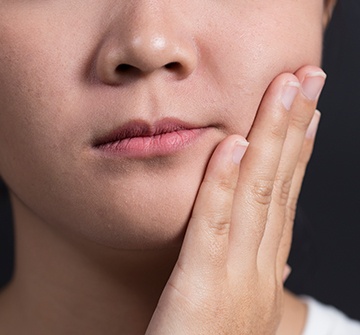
{"x": 110, "y": 110}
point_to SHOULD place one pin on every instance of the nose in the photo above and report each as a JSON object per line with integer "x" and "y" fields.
{"x": 144, "y": 39}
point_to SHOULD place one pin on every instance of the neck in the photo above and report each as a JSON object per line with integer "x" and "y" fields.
{"x": 63, "y": 285}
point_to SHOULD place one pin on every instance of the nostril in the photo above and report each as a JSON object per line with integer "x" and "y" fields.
{"x": 127, "y": 69}
{"x": 173, "y": 66}
{"x": 122, "y": 68}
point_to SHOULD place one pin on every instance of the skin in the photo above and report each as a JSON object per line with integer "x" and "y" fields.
{"x": 92, "y": 229}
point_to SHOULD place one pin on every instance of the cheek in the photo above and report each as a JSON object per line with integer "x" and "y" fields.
{"x": 30, "y": 115}
{"x": 246, "y": 55}
{"x": 36, "y": 97}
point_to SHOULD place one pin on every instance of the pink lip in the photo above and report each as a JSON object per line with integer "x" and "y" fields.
{"x": 140, "y": 139}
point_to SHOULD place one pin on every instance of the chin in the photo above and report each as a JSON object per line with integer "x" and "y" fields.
{"x": 140, "y": 232}
{"x": 146, "y": 210}
{"x": 149, "y": 213}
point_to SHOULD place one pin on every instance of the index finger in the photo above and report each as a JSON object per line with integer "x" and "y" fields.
{"x": 205, "y": 244}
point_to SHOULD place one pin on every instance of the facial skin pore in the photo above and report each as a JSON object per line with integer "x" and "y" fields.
{"x": 61, "y": 89}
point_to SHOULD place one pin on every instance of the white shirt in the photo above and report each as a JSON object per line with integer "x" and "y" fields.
{"x": 327, "y": 320}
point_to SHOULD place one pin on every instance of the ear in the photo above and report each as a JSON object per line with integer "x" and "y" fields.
{"x": 329, "y": 6}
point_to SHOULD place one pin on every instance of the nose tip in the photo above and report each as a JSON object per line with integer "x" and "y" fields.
{"x": 145, "y": 53}
{"x": 149, "y": 53}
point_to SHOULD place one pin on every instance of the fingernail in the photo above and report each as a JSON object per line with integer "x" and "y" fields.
{"x": 287, "y": 271}
{"x": 313, "y": 126}
{"x": 239, "y": 150}
{"x": 313, "y": 84}
{"x": 289, "y": 93}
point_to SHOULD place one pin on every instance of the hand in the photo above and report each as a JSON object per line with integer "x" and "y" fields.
{"x": 229, "y": 275}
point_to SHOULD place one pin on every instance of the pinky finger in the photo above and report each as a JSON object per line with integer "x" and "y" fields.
{"x": 304, "y": 159}
{"x": 296, "y": 184}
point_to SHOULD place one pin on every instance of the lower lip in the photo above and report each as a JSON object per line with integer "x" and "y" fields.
{"x": 152, "y": 146}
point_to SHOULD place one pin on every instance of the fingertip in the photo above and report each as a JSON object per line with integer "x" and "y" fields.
{"x": 284, "y": 88}
{"x": 223, "y": 167}
{"x": 313, "y": 84}
{"x": 240, "y": 147}
{"x": 318, "y": 113}
{"x": 289, "y": 93}
{"x": 312, "y": 79}
{"x": 287, "y": 272}
{"x": 313, "y": 126}
{"x": 307, "y": 70}
{"x": 231, "y": 149}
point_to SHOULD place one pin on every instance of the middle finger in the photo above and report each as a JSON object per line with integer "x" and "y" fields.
{"x": 300, "y": 117}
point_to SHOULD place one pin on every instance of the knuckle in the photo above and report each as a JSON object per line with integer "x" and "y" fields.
{"x": 282, "y": 190}
{"x": 301, "y": 121}
{"x": 279, "y": 124}
{"x": 262, "y": 191}
{"x": 226, "y": 185}
{"x": 220, "y": 185}
{"x": 278, "y": 130}
{"x": 216, "y": 222}
{"x": 218, "y": 225}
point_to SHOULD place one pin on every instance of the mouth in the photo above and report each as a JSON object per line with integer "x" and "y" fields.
{"x": 139, "y": 139}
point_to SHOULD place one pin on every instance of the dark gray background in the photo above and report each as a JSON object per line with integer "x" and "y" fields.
{"x": 326, "y": 254}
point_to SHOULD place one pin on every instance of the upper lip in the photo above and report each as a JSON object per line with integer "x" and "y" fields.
{"x": 141, "y": 128}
